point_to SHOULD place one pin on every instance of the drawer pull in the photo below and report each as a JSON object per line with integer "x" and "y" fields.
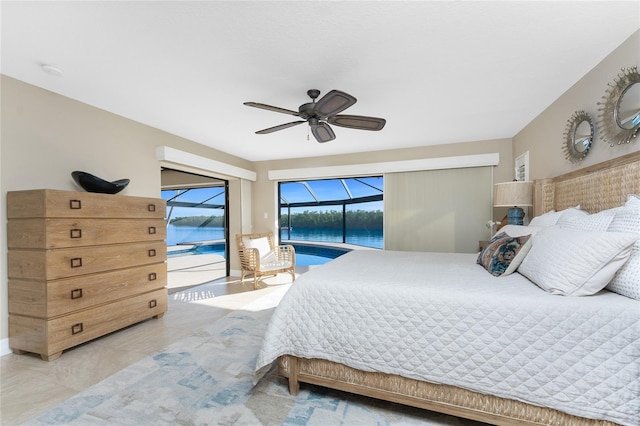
{"x": 152, "y": 230}
{"x": 152, "y": 276}
{"x": 76, "y": 233}
{"x": 152, "y": 252}
{"x": 151, "y": 207}
{"x": 153, "y": 304}
{"x": 76, "y": 262}
{"x": 76, "y": 293}
{"x": 76, "y": 328}
{"x": 75, "y": 204}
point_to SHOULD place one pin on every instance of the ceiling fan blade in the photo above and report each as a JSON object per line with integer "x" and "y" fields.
{"x": 271, "y": 108}
{"x": 334, "y": 102}
{"x": 280, "y": 127}
{"x": 358, "y": 122}
{"x": 322, "y": 132}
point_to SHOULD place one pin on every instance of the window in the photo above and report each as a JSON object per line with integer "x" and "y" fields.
{"x": 348, "y": 210}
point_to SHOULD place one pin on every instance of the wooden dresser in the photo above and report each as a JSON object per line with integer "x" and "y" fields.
{"x": 82, "y": 265}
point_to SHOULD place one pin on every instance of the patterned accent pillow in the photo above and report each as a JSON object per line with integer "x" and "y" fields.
{"x": 627, "y": 280}
{"x": 503, "y": 254}
{"x": 520, "y": 230}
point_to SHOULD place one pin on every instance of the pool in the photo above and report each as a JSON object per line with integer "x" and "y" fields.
{"x": 311, "y": 254}
{"x": 306, "y": 254}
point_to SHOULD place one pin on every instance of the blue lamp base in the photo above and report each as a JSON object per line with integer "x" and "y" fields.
{"x": 515, "y": 216}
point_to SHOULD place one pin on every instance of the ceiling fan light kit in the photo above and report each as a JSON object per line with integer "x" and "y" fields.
{"x": 319, "y": 114}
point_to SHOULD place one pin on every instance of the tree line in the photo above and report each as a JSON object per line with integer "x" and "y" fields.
{"x": 199, "y": 221}
{"x": 355, "y": 219}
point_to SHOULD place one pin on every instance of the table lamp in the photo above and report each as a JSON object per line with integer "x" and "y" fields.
{"x": 514, "y": 195}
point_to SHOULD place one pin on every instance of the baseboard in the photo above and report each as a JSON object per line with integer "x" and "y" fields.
{"x": 4, "y": 347}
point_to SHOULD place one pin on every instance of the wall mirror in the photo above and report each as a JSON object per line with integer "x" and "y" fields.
{"x": 620, "y": 111}
{"x": 578, "y": 136}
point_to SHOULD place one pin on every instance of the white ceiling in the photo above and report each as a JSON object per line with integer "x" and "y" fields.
{"x": 439, "y": 72}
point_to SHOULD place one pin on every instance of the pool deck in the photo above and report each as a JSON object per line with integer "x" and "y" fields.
{"x": 190, "y": 270}
{"x": 194, "y": 269}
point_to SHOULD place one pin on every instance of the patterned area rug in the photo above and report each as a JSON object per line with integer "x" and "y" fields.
{"x": 207, "y": 379}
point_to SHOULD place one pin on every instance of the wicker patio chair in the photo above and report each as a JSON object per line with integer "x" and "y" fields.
{"x": 259, "y": 256}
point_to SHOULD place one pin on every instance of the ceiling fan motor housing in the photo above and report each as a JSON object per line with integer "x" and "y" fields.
{"x": 308, "y": 111}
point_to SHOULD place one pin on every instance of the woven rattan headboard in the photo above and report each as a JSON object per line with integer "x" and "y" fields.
{"x": 595, "y": 188}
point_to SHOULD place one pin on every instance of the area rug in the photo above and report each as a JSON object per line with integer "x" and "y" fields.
{"x": 207, "y": 379}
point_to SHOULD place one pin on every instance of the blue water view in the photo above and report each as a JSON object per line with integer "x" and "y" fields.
{"x": 305, "y": 255}
{"x": 362, "y": 237}
{"x": 191, "y": 234}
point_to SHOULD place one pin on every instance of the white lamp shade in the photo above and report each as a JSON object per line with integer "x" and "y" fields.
{"x": 512, "y": 194}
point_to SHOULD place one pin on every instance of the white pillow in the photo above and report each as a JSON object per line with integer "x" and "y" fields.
{"x": 554, "y": 218}
{"x": 627, "y": 280}
{"x": 575, "y": 263}
{"x": 520, "y": 230}
{"x": 594, "y": 222}
{"x": 571, "y": 214}
{"x": 547, "y": 219}
{"x": 262, "y": 244}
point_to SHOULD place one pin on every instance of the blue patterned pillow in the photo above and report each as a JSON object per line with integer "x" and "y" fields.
{"x": 503, "y": 254}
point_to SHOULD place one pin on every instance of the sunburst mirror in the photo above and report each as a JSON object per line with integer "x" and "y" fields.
{"x": 620, "y": 111}
{"x": 578, "y": 136}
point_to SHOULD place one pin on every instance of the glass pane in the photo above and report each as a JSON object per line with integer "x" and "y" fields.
{"x": 327, "y": 190}
{"x": 364, "y": 224}
{"x": 295, "y": 192}
{"x": 194, "y": 215}
{"x": 365, "y": 187}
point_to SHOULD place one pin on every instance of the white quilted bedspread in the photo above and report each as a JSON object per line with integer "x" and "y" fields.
{"x": 442, "y": 318}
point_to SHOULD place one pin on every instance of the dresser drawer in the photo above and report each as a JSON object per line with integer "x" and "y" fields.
{"x": 50, "y": 337}
{"x": 60, "y": 233}
{"x": 55, "y": 204}
{"x": 46, "y": 299}
{"x": 49, "y": 265}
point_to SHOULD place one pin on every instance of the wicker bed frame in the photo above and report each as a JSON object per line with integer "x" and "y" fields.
{"x": 595, "y": 188}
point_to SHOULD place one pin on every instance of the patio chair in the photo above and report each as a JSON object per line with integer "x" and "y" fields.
{"x": 260, "y": 257}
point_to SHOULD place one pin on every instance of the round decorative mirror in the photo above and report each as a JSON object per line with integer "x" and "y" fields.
{"x": 620, "y": 111}
{"x": 578, "y": 136}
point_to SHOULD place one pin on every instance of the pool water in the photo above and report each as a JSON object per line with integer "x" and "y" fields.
{"x": 310, "y": 259}
{"x": 306, "y": 255}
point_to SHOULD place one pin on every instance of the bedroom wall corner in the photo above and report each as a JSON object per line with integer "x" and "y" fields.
{"x": 543, "y": 137}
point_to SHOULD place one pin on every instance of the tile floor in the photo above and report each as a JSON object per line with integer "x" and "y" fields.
{"x": 30, "y": 386}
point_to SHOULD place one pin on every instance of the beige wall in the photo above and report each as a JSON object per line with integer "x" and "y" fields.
{"x": 543, "y": 137}
{"x": 46, "y": 136}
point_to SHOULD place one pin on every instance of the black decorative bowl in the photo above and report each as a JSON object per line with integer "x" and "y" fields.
{"x": 91, "y": 183}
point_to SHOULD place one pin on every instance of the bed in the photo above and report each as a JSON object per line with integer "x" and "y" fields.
{"x": 437, "y": 331}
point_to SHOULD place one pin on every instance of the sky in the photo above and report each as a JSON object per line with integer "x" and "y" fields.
{"x": 292, "y": 192}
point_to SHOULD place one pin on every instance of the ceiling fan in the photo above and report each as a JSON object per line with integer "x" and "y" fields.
{"x": 319, "y": 114}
